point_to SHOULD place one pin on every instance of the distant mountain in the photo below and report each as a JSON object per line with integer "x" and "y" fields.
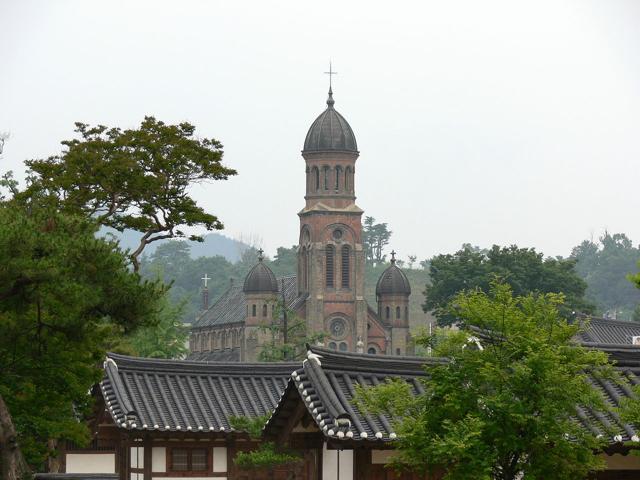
{"x": 214, "y": 244}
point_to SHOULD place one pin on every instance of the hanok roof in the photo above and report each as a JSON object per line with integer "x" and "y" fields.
{"x": 613, "y": 332}
{"x": 187, "y": 396}
{"x": 326, "y": 384}
{"x": 231, "y": 307}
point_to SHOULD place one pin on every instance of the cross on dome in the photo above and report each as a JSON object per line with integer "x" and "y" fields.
{"x": 330, "y": 73}
{"x": 393, "y": 256}
{"x": 260, "y": 254}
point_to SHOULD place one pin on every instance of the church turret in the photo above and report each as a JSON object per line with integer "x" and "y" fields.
{"x": 392, "y": 293}
{"x": 261, "y": 293}
{"x": 330, "y": 255}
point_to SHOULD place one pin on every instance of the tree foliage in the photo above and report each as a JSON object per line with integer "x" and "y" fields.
{"x": 605, "y": 266}
{"x": 267, "y": 455}
{"x": 505, "y": 411}
{"x": 375, "y": 237}
{"x": 166, "y": 338}
{"x": 288, "y": 336}
{"x": 524, "y": 269}
{"x": 65, "y": 297}
{"x": 135, "y": 179}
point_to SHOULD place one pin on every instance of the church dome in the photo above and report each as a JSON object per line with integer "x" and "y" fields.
{"x": 393, "y": 281}
{"x": 260, "y": 279}
{"x": 330, "y": 132}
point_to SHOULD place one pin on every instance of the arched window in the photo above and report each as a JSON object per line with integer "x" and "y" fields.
{"x": 333, "y": 346}
{"x": 326, "y": 177}
{"x": 254, "y": 311}
{"x": 329, "y": 272}
{"x": 338, "y": 172}
{"x": 264, "y": 310}
{"x": 371, "y": 351}
{"x": 398, "y": 351}
{"x": 342, "y": 346}
{"x": 346, "y": 259}
{"x": 406, "y": 313}
{"x": 398, "y": 313}
{"x": 273, "y": 310}
{"x": 316, "y": 179}
{"x": 388, "y": 313}
{"x": 347, "y": 179}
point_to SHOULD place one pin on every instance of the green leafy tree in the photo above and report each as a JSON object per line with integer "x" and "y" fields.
{"x": 65, "y": 297}
{"x": 523, "y": 268}
{"x": 167, "y": 337}
{"x": 288, "y": 336}
{"x": 267, "y": 455}
{"x": 135, "y": 179}
{"x": 505, "y": 409}
{"x": 375, "y": 237}
{"x": 604, "y": 265}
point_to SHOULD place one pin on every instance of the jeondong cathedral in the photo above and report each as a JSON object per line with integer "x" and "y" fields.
{"x": 328, "y": 290}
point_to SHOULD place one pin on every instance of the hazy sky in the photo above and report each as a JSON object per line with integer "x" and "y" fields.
{"x": 477, "y": 121}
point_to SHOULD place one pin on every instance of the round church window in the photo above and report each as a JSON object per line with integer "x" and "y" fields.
{"x": 337, "y": 234}
{"x": 338, "y": 328}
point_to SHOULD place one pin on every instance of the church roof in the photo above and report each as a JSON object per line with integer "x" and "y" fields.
{"x": 260, "y": 279}
{"x": 231, "y": 307}
{"x": 179, "y": 395}
{"x": 330, "y": 132}
{"x": 393, "y": 281}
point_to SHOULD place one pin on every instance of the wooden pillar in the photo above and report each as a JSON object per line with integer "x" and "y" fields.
{"x": 148, "y": 452}
{"x": 361, "y": 463}
{"x": 124, "y": 460}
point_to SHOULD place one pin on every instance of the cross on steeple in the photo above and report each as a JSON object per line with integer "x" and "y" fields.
{"x": 393, "y": 256}
{"x": 260, "y": 255}
{"x": 330, "y": 73}
{"x": 206, "y": 278}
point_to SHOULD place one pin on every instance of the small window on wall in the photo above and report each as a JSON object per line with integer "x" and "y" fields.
{"x": 398, "y": 351}
{"x": 333, "y": 346}
{"x": 372, "y": 351}
{"x": 343, "y": 346}
{"x": 254, "y": 311}
{"x": 398, "y": 313}
{"x": 188, "y": 460}
{"x": 264, "y": 310}
{"x": 388, "y": 313}
{"x": 406, "y": 313}
{"x": 329, "y": 266}
{"x": 179, "y": 460}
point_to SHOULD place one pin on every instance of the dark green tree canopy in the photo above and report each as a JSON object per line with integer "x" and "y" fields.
{"x": 524, "y": 269}
{"x": 136, "y": 178}
{"x": 605, "y": 266}
{"x": 65, "y": 297}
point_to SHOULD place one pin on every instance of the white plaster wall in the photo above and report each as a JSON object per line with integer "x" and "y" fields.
{"x": 137, "y": 457}
{"x": 159, "y": 459}
{"x": 219, "y": 459}
{"x": 91, "y": 462}
{"x": 330, "y": 460}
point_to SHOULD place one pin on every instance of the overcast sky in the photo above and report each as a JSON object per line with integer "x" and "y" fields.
{"x": 477, "y": 121}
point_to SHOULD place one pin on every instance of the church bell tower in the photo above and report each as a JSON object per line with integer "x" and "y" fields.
{"x": 331, "y": 262}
